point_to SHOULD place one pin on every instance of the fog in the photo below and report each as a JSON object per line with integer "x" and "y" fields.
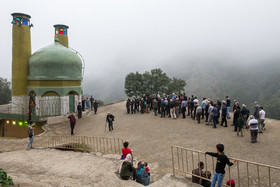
{"x": 116, "y": 37}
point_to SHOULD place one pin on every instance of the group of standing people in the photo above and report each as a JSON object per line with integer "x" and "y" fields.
{"x": 86, "y": 104}
{"x": 140, "y": 174}
{"x": 214, "y": 112}
{"x": 82, "y": 106}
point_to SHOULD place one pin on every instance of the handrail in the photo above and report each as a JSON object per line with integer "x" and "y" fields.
{"x": 105, "y": 145}
{"x": 257, "y": 174}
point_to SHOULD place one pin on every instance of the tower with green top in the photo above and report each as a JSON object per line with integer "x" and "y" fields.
{"x": 61, "y": 33}
{"x": 21, "y": 51}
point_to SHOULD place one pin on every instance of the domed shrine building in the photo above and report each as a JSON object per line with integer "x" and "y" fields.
{"x": 47, "y": 82}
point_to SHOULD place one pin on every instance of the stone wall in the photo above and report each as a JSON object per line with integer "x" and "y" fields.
{"x": 20, "y": 104}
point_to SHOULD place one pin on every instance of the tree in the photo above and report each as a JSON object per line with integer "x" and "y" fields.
{"x": 176, "y": 85}
{"x": 130, "y": 84}
{"x": 5, "y": 91}
{"x": 159, "y": 81}
{"x": 134, "y": 84}
{"x": 153, "y": 82}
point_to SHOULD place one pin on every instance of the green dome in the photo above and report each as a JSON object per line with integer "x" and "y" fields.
{"x": 55, "y": 62}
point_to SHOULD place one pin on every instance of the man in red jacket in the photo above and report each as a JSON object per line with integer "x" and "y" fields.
{"x": 72, "y": 122}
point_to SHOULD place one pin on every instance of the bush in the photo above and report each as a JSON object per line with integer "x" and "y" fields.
{"x": 5, "y": 180}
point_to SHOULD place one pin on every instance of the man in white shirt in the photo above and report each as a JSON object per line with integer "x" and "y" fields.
{"x": 261, "y": 119}
{"x": 253, "y": 126}
{"x": 196, "y": 101}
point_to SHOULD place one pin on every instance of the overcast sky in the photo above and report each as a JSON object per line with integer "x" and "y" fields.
{"x": 120, "y": 36}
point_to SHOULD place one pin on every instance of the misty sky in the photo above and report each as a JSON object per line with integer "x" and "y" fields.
{"x": 116, "y": 37}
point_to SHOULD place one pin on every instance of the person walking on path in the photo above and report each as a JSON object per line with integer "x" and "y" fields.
{"x": 30, "y": 135}
{"x": 72, "y": 123}
{"x": 110, "y": 118}
{"x": 222, "y": 160}
{"x": 96, "y": 103}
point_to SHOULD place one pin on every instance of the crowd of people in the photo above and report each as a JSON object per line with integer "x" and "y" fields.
{"x": 213, "y": 112}
{"x": 140, "y": 173}
{"x": 86, "y": 104}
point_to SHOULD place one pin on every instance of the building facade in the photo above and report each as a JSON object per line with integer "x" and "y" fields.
{"x": 49, "y": 81}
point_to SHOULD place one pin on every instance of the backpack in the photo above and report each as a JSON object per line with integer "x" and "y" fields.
{"x": 30, "y": 132}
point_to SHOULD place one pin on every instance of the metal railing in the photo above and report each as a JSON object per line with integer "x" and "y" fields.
{"x": 244, "y": 173}
{"x": 105, "y": 145}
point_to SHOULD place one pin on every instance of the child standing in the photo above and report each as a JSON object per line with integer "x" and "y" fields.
{"x": 222, "y": 160}
{"x": 126, "y": 150}
{"x": 147, "y": 168}
{"x": 240, "y": 124}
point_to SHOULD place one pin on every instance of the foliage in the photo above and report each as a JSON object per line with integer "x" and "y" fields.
{"x": 101, "y": 103}
{"x": 152, "y": 82}
{"x": 5, "y": 180}
{"x": 5, "y": 91}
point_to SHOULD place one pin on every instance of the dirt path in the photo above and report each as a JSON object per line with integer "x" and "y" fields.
{"x": 151, "y": 137}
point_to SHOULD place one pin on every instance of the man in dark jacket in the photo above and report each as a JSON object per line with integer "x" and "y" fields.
{"x": 80, "y": 109}
{"x": 128, "y": 105}
{"x": 159, "y": 105}
{"x": 206, "y": 111}
{"x": 110, "y": 118}
{"x": 163, "y": 107}
{"x": 192, "y": 108}
{"x": 245, "y": 114}
{"x": 95, "y": 106}
{"x": 132, "y": 104}
{"x": 91, "y": 102}
{"x": 224, "y": 114}
{"x": 215, "y": 115}
{"x": 235, "y": 117}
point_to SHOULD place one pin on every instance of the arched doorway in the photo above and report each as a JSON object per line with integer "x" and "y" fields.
{"x": 72, "y": 101}
{"x": 50, "y": 104}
